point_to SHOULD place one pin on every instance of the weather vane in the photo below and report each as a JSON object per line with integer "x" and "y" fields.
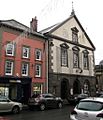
{"x": 73, "y": 12}
{"x": 72, "y": 6}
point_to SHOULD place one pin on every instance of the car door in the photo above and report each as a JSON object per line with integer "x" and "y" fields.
{"x": 5, "y": 105}
{"x": 47, "y": 100}
{"x": 53, "y": 101}
{"x": 50, "y": 100}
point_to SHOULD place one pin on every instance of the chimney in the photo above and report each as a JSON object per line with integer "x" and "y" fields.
{"x": 33, "y": 24}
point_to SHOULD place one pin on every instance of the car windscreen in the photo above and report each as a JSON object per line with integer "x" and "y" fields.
{"x": 3, "y": 99}
{"x": 90, "y": 105}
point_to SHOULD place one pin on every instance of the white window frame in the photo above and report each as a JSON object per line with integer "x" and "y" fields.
{"x": 85, "y": 61}
{"x": 64, "y": 57}
{"x": 38, "y": 70}
{"x": 38, "y": 54}
{"x": 9, "y": 67}
{"x": 76, "y": 59}
{"x": 25, "y": 69}
{"x": 10, "y": 49}
{"x": 26, "y": 55}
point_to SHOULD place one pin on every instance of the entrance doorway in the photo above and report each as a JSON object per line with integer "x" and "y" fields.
{"x": 26, "y": 91}
{"x": 76, "y": 87}
{"x": 64, "y": 89}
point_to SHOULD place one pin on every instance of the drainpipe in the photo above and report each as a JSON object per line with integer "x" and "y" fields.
{"x": 47, "y": 54}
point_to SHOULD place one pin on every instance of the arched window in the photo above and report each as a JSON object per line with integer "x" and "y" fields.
{"x": 75, "y": 57}
{"x": 85, "y": 59}
{"x": 64, "y": 54}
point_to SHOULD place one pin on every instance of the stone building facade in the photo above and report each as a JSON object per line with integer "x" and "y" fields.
{"x": 71, "y": 59}
{"x": 99, "y": 77}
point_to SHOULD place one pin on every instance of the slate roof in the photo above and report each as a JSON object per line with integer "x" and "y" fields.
{"x": 49, "y": 28}
{"x": 19, "y": 26}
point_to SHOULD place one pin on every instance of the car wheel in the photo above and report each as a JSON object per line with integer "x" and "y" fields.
{"x": 42, "y": 106}
{"x": 60, "y": 105}
{"x": 15, "y": 110}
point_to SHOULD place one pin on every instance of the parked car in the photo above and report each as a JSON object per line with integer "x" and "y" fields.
{"x": 88, "y": 109}
{"x": 43, "y": 101}
{"x": 80, "y": 96}
{"x": 71, "y": 99}
{"x": 6, "y": 105}
{"x": 74, "y": 99}
{"x": 98, "y": 94}
{"x": 101, "y": 96}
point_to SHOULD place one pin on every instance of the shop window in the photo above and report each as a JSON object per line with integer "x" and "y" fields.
{"x": 4, "y": 91}
{"x": 37, "y": 89}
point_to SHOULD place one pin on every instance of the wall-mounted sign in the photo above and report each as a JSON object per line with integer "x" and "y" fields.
{"x": 15, "y": 81}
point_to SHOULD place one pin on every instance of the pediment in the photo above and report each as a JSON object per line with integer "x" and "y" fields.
{"x": 64, "y": 30}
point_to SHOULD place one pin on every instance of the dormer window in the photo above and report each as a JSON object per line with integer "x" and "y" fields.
{"x": 74, "y": 34}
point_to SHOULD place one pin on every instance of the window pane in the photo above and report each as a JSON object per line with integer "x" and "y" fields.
{"x": 25, "y": 52}
{"x": 74, "y": 36}
{"x": 37, "y": 88}
{"x": 24, "y": 69}
{"x": 8, "y": 68}
{"x": 86, "y": 64}
{"x": 38, "y": 71}
{"x": 10, "y": 49}
{"x": 38, "y": 54}
{"x": 75, "y": 59}
{"x": 64, "y": 57}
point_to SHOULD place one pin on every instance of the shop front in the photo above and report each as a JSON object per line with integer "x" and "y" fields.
{"x": 16, "y": 88}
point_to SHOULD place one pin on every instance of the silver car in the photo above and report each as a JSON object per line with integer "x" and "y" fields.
{"x": 88, "y": 109}
{"x": 6, "y": 105}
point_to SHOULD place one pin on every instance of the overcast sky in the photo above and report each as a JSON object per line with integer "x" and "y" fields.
{"x": 49, "y": 12}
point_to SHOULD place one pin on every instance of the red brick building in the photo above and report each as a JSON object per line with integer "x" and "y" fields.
{"x": 22, "y": 60}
